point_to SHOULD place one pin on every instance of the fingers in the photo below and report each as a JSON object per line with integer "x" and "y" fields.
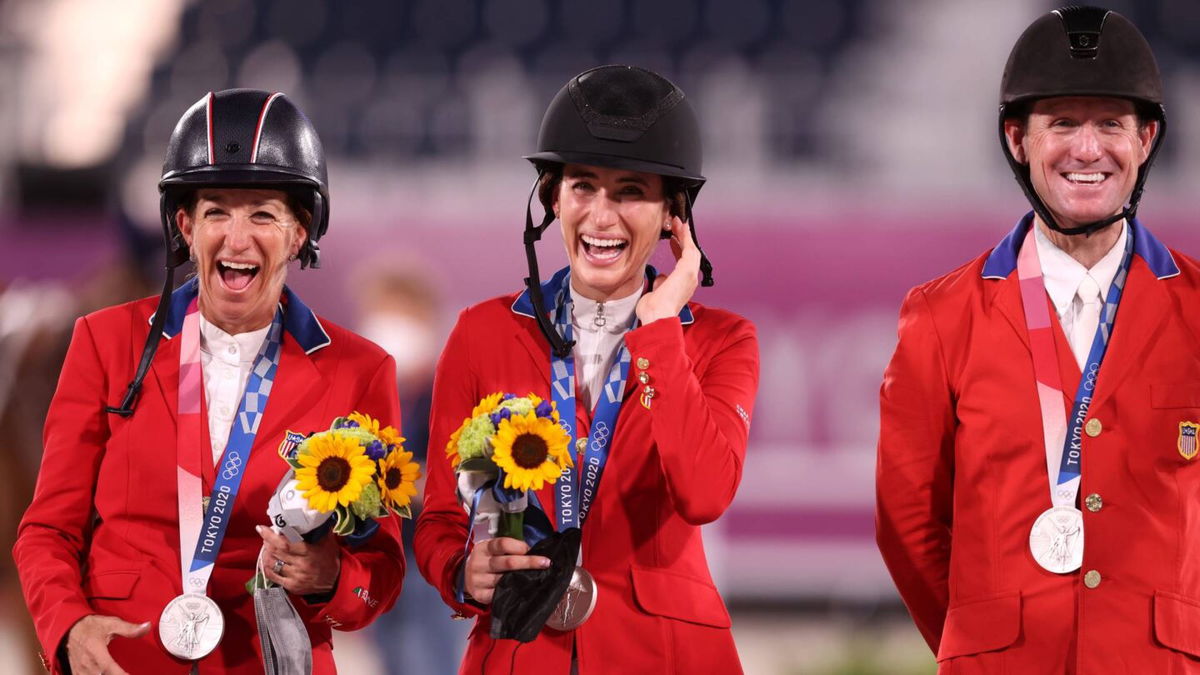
{"x": 509, "y": 563}
{"x": 129, "y": 630}
{"x": 277, "y": 541}
{"x": 505, "y": 546}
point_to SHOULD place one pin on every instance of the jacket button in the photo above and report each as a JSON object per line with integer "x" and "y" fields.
{"x": 1093, "y": 502}
{"x": 581, "y": 445}
{"x": 644, "y": 378}
{"x": 1093, "y": 427}
{"x": 1091, "y": 579}
{"x": 643, "y": 363}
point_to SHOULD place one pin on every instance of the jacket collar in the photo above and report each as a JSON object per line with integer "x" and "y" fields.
{"x": 1003, "y": 259}
{"x": 298, "y": 319}
{"x": 524, "y": 304}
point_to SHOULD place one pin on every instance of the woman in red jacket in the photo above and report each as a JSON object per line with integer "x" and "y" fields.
{"x": 661, "y": 395}
{"x": 144, "y": 526}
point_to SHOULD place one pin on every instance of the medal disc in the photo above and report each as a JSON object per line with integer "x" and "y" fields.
{"x": 191, "y": 625}
{"x": 1056, "y": 539}
{"x": 576, "y": 604}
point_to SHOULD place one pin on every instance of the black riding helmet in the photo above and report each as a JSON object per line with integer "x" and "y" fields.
{"x": 622, "y": 117}
{"x": 235, "y": 138}
{"x": 1081, "y": 51}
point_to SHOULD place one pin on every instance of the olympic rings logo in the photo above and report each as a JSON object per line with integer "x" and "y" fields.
{"x": 233, "y": 463}
{"x": 601, "y": 430}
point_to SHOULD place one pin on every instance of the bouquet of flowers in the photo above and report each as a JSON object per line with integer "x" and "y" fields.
{"x": 353, "y": 473}
{"x": 510, "y": 444}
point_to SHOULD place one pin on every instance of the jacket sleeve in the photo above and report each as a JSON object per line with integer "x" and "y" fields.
{"x": 914, "y": 471}
{"x": 371, "y": 574}
{"x": 442, "y": 526}
{"x": 700, "y": 422}
{"x": 53, "y": 534}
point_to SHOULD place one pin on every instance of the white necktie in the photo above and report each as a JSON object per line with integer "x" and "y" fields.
{"x": 1086, "y": 319}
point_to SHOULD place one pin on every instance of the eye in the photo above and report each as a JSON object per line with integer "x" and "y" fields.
{"x": 632, "y": 191}
{"x": 214, "y": 212}
{"x": 263, "y": 218}
{"x": 1062, "y": 123}
{"x": 582, "y": 186}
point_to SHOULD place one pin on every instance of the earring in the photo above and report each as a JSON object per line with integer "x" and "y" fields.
{"x": 667, "y": 226}
{"x": 292, "y": 257}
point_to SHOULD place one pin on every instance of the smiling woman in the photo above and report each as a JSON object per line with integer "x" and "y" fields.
{"x": 655, "y": 390}
{"x": 115, "y": 570}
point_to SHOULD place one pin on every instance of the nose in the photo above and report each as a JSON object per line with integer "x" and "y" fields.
{"x": 604, "y": 211}
{"x": 1087, "y": 146}
{"x": 238, "y": 232}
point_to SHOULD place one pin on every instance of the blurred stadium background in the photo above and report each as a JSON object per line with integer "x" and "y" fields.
{"x": 851, "y": 151}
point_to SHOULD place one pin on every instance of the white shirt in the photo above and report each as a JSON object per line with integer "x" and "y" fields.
{"x": 599, "y": 329}
{"x": 1062, "y": 275}
{"x": 225, "y": 362}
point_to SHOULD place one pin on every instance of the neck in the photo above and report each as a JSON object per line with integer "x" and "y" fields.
{"x": 238, "y": 325}
{"x": 1087, "y": 249}
{"x": 623, "y": 291}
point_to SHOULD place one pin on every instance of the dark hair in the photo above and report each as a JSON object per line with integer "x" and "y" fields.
{"x": 674, "y": 190}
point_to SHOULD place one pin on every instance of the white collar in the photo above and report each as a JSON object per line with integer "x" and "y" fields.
{"x": 618, "y": 314}
{"x": 1062, "y": 274}
{"x": 216, "y": 342}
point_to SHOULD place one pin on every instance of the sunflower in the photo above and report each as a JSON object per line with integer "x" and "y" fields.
{"x": 397, "y": 477}
{"x": 531, "y": 450}
{"x": 452, "y": 445}
{"x": 333, "y": 470}
{"x": 388, "y": 435}
{"x": 488, "y": 404}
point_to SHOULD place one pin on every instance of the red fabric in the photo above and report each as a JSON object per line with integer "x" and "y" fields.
{"x": 672, "y": 468}
{"x": 962, "y": 476}
{"x": 101, "y": 536}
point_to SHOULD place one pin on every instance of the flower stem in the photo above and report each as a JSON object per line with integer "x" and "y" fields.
{"x": 512, "y": 525}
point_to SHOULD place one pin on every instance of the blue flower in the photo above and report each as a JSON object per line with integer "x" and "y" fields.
{"x": 501, "y": 414}
{"x": 376, "y": 450}
{"x": 508, "y": 397}
{"x": 544, "y": 409}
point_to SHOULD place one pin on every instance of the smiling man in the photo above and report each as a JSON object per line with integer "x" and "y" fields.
{"x": 1037, "y": 482}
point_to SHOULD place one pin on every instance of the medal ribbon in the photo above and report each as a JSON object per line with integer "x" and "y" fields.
{"x": 200, "y": 535}
{"x": 1062, "y": 435}
{"x": 573, "y": 508}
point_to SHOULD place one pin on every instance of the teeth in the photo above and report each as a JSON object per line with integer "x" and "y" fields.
{"x": 603, "y": 243}
{"x": 1085, "y": 177}
{"x": 238, "y": 266}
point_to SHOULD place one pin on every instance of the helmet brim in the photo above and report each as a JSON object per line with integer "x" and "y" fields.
{"x": 616, "y": 162}
{"x": 225, "y": 175}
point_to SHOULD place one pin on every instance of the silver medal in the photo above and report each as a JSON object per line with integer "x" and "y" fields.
{"x": 576, "y": 604}
{"x": 191, "y": 625}
{"x": 1056, "y": 539}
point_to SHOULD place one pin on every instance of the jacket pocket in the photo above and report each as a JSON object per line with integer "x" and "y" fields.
{"x": 116, "y": 585}
{"x": 1175, "y": 395}
{"x": 676, "y": 596}
{"x": 1177, "y": 622}
{"x": 981, "y": 625}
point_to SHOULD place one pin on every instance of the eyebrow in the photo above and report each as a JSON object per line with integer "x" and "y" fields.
{"x": 635, "y": 179}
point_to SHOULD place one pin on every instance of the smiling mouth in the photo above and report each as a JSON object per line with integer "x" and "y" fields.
{"x": 236, "y": 276}
{"x": 1088, "y": 178}
{"x": 603, "y": 249}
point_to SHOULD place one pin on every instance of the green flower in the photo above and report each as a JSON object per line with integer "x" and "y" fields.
{"x": 367, "y": 504}
{"x": 474, "y": 441}
{"x": 519, "y": 406}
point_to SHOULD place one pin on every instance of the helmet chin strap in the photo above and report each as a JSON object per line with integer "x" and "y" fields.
{"x": 560, "y": 347}
{"x": 176, "y": 255}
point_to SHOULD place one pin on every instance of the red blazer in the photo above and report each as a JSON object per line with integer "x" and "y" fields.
{"x": 962, "y": 476}
{"x": 102, "y": 533}
{"x": 673, "y": 468}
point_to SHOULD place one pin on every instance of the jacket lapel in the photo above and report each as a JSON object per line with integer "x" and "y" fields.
{"x": 298, "y": 385}
{"x": 1144, "y": 308}
{"x": 1006, "y": 298}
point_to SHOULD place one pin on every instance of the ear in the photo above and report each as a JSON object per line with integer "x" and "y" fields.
{"x": 298, "y": 242}
{"x": 1146, "y": 134}
{"x": 185, "y": 223}
{"x": 1014, "y": 133}
{"x": 554, "y": 197}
